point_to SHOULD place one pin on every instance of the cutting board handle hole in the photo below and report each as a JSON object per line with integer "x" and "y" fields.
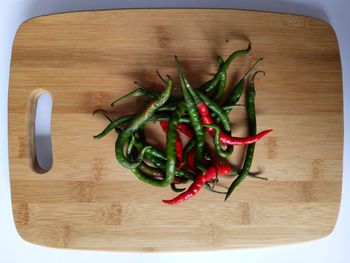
{"x": 41, "y": 131}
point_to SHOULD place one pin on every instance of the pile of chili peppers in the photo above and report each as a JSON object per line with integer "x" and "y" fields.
{"x": 193, "y": 114}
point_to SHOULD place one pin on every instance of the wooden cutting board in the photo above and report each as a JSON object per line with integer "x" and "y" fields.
{"x": 87, "y": 59}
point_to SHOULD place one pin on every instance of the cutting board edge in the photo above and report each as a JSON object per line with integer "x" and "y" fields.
{"x": 328, "y": 25}
{"x": 319, "y": 20}
{"x": 152, "y": 249}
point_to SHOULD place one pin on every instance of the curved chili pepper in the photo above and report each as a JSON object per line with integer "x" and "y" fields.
{"x": 135, "y": 93}
{"x": 225, "y": 138}
{"x": 250, "y": 107}
{"x": 151, "y": 171}
{"x": 229, "y": 140}
{"x": 103, "y": 113}
{"x": 194, "y": 117}
{"x": 198, "y": 183}
{"x": 148, "y": 92}
{"x": 237, "y": 90}
{"x": 114, "y": 124}
{"x": 210, "y": 85}
{"x": 135, "y": 124}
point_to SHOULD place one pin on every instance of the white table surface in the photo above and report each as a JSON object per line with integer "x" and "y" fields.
{"x": 333, "y": 248}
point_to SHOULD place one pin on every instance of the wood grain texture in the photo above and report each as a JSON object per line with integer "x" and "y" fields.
{"x": 85, "y": 60}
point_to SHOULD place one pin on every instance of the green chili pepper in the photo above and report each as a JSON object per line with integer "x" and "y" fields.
{"x": 117, "y": 129}
{"x": 165, "y": 116}
{"x": 135, "y": 93}
{"x": 103, "y": 113}
{"x": 221, "y": 87}
{"x": 114, "y": 124}
{"x": 148, "y": 92}
{"x": 237, "y": 90}
{"x": 171, "y": 143}
{"x": 135, "y": 124}
{"x": 230, "y": 107}
{"x": 194, "y": 117}
{"x": 170, "y": 106}
{"x": 131, "y": 145}
{"x": 210, "y": 85}
{"x": 151, "y": 172}
{"x": 222, "y": 83}
{"x": 250, "y": 106}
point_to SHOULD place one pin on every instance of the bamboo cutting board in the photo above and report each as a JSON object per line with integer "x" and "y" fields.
{"x": 87, "y": 200}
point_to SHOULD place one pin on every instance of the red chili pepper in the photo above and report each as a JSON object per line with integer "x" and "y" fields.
{"x": 225, "y": 138}
{"x": 198, "y": 183}
{"x": 178, "y": 145}
{"x": 185, "y": 129}
{"x": 191, "y": 159}
{"x": 164, "y": 125}
{"x": 182, "y": 127}
{"x": 229, "y": 140}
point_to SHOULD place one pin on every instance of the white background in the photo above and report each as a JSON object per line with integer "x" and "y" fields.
{"x": 333, "y": 248}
